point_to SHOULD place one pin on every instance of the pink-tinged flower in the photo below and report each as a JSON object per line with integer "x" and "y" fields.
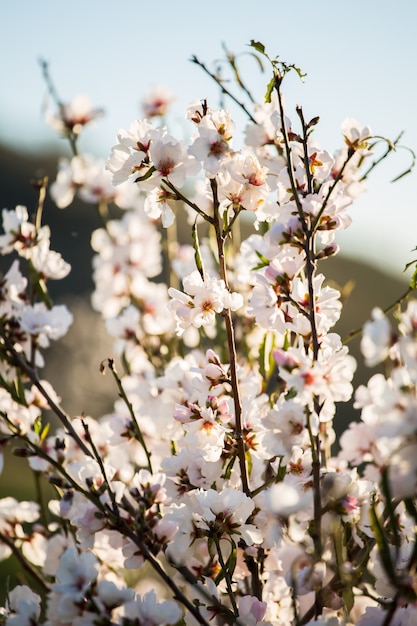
{"x": 251, "y": 610}
{"x": 320, "y": 162}
{"x": 205, "y": 298}
{"x": 130, "y": 156}
{"x": 212, "y": 142}
{"x": 226, "y": 512}
{"x": 171, "y": 161}
{"x": 285, "y": 266}
{"x": 189, "y": 470}
{"x": 157, "y": 102}
{"x": 12, "y": 290}
{"x": 19, "y": 233}
{"x": 76, "y": 573}
{"x": 195, "y": 112}
{"x": 206, "y": 434}
{"x": 157, "y": 204}
{"x": 84, "y": 176}
{"x": 150, "y": 486}
{"x": 356, "y": 137}
{"x": 124, "y": 164}
{"x": 72, "y": 117}
{"x": 214, "y": 370}
{"x": 357, "y": 443}
{"x": 266, "y": 131}
{"x": 64, "y": 187}
{"x": 328, "y": 378}
{"x": 243, "y": 182}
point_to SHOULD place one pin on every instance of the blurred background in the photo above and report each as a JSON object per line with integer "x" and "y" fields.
{"x": 360, "y": 62}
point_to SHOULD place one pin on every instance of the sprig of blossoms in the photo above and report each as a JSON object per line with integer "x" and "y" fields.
{"x": 215, "y": 467}
{"x": 203, "y": 298}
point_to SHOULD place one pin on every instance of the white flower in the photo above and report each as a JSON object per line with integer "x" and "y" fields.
{"x": 376, "y": 338}
{"x": 157, "y": 102}
{"x": 356, "y": 136}
{"x": 243, "y": 183}
{"x": 76, "y": 573}
{"x": 227, "y": 510}
{"x": 50, "y": 323}
{"x": 157, "y": 205}
{"x": 111, "y": 595}
{"x": 48, "y": 263}
{"x": 24, "y": 607}
{"x": 205, "y": 298}
{"x": 148, "y": 611}
{"x": 19, "y": 233}
{"x": 212, "y": 142}
{"x": 286, "y": 499}
{"x": 170, "y": 159}
{"x": 129, "y": 157}
{"x": 74, "y": 115}
{"x": 251, "y": 610}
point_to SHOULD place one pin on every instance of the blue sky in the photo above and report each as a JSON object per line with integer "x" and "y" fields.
{"x": 359, "y": 57}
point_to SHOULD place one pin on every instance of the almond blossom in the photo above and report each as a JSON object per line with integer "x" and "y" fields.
{"x": 203, "y": 298}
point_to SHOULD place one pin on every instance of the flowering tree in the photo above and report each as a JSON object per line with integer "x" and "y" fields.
{"x": 215, "y": 480}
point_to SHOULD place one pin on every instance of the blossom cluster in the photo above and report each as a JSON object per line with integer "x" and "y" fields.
{"x": 213, "y": 492}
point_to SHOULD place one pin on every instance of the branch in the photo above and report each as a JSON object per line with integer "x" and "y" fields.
{"x": 219, "y": 82}
{"x": 31, "y": 373}
{"x": 231, "y": 346}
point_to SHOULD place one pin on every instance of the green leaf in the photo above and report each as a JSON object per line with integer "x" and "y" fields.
{"x": 197, "y": 253}
{"x": 44, "y": 432}
{"x": 390, "y": 508}
{"x": 39, "y": 286}
{"x": 148, "y": 174}
{"x": 269, "y": 89}
{"x": 413, "y": 279}
{"x": 229, "y": 467}
{"x": 265, "y": 261}
{"x": 258, "y": 46}
{"x": 298, "y": 70}
{"x": 384, "y": 547}
{"x": 37, "y": 425}
{"x": 19, "y": 391}
{"x": 229, "y": 566}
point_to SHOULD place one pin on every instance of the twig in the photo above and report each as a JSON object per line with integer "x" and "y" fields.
{"x": 231, "y": 346}
{"x": 19, "y": 362}
{"x": 25, "y": 564}
{"x": 355, "y": 333}
{"x": 228, "y": 93}
{"x": 135, "y": 423}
